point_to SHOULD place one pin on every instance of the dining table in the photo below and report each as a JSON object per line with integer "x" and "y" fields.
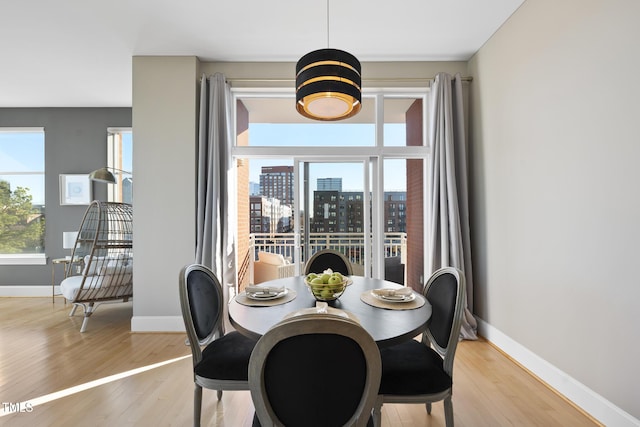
{"x": 389, "y": 323}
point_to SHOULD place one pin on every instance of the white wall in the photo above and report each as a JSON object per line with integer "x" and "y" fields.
{"x": 556, "y": 206}
{"x": 164, "y": 130}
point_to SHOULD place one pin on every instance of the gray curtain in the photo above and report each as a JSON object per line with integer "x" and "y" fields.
{"x": 448, "y": 209}
{"x": 215, "y": 227}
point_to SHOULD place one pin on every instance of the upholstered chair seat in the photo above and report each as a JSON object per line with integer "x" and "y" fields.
{"x": 412, "y": 368}
{"x": 226, "y": 358}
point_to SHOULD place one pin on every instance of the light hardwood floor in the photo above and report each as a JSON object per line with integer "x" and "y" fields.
{"x": 42, "y": 352}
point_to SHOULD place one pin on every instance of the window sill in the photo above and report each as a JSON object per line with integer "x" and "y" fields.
{"x": 23, "y": 259}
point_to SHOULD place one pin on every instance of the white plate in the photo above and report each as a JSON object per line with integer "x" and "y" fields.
{"x": 266, "y": 296}
{"x": 395, "y": 298}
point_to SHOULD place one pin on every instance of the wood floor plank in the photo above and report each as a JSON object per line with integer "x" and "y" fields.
{"x": 43, "y": 352}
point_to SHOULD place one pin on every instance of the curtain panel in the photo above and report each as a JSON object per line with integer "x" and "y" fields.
{"x": 448, "y": 208}
{"x": 215, "y": 223}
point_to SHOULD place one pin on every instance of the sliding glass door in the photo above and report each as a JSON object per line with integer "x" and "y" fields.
{"x": 334, "y": 209}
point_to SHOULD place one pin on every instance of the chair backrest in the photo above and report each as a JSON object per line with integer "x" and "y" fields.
{"x": 201, "y": 301}
{"x": 328, "y": 258}
{"x": 445, "y": 291}
{"x": 315, "y": 370}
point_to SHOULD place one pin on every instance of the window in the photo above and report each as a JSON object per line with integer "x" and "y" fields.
{"x": 119, "y": 159}
{"x": 336, "y": 168}
{"x": 22, "y": 218}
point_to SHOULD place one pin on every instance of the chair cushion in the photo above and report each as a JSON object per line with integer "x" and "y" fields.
{"x": 69, "y": 286}
{"x": 97, "y": 287}
{"x": 412, "y": 368}
{"x": 271, "y": 258}
{"x": 226, "y": 358}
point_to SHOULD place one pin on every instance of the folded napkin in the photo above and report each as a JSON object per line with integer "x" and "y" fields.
{"x": 256, "y": 289}
{"x": 389, "y": 292}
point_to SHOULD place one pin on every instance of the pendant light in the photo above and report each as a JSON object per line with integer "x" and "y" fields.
{"x": 328, "y": 83}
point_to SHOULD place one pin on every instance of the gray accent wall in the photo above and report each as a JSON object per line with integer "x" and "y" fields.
{"x": 75, "y": 143}
{"x": 556, "y": 207}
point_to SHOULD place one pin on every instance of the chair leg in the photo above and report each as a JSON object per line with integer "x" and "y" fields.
{"x": 377, "y": 412}
{"x": 73, "y": 310}
{"x": 428, "y": 405}
{"x": 87, "y": 313}
{"x": 448, "y": 412}
{"x": 197, "y": 405}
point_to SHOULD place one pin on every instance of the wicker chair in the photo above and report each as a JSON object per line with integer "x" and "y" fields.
{"x": 105, "y": 246}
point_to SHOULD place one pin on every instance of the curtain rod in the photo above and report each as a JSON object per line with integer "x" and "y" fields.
{"x": 374, "y": 80}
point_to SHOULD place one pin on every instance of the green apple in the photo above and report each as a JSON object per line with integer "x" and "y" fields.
{"x": 334, "y": 280}
{"x": 325, "y": 278}
{"x": 317, "y": 281}
{"x": 326, "y": 293}
{"x": 311, "y": 276}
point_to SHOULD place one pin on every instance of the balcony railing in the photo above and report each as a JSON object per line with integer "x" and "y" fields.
{"x": 350, "y": 244}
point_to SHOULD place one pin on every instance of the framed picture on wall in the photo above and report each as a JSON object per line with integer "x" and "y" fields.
{"x": 75, "y": 189}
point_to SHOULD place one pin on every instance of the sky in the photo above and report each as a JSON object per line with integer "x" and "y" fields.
{"x": 334, "y": 135}
{"x": 20, "y": 157}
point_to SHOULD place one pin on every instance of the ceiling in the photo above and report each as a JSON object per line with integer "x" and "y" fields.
{"x": 78, "y": 53}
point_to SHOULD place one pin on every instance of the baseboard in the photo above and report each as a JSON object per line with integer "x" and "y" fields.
{"x": 589, "y": 401}
{"x": 157, "y": 324}
{"x": 27, "y": 291}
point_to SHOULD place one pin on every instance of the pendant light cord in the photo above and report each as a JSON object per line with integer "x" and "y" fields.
{"x": 328, "y": 45}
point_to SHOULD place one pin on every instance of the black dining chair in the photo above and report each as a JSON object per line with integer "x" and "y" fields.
{"x": 224, "y": 361}
{"x": 328, "y": 258}
{"x": 318, "y": 370}
{"x": 422, "y": 371}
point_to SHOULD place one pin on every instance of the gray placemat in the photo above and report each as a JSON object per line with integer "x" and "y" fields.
{"x": 242, "y": 298}
{"x": 368, "y": 298}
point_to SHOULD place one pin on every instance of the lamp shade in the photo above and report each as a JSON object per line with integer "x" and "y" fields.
{"x": 328, "y": 84}
{"x": 102, "y": 175}
{"x": 69, "y": 239}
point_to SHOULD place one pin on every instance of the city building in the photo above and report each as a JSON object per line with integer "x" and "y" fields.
{"x": 338, "y": 211}
{"x": 329, "y": 184}
{"x": 269, "y": 215}
{"x": 277, "y": 182}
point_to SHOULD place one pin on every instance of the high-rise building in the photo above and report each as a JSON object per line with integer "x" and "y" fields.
{"x": 325, "y": 211}
{"x": 329, "y": 184}
{"x": 395, "y": 211}
{"x": 277, "y": 182}
{"x": 254, "y": 189}
{"x": 127, "y": 190}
